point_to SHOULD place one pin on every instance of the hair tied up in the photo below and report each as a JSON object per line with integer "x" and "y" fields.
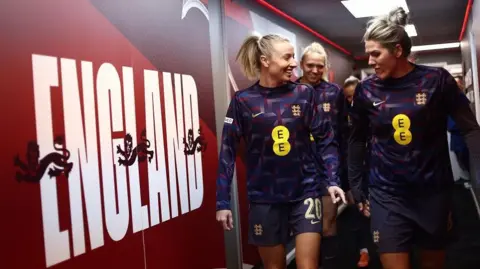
{"x": 398, "y": 16}
{"x": 252, "y": 48}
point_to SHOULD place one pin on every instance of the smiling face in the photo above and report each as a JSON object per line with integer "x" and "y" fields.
{"x": 313, "y": 66}
{"x": 382, "y": 60}
{"x": 281, "y": 62}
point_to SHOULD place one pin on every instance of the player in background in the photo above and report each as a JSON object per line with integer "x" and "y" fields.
{"x": 349, "y": 89}
{"x": 359, "y": 222}
{"x": 405, "y": 107}
{"x": 275, "y": 118}
{"x": 458, "y": 145}
{"x": 460, "y": 82}
{"x": 314, "y": 64}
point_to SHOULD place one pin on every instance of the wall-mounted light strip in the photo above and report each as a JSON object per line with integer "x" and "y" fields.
{"x": 436, "y": 46}
{"x": 465, "y": 19}
{"x": 423, "y": 48}
{"x": 298, "y": 23}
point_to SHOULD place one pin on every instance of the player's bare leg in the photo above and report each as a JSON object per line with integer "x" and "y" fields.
{"x": 329, "y": 216}
{"x": 273, "y": 257}
{"x": 307, "y": 250}
{"x": 395, "y": 260}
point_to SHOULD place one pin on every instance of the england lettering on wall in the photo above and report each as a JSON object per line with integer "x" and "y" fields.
{"x": 100, "y": 152}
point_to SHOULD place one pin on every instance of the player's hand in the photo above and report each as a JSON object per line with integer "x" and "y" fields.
{"x": 225, "y": 217}
{"x": 364, "y": 208}
{"x": 337, "y": 194}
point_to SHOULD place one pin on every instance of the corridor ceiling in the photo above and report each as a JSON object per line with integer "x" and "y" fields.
{"x": 436, "y": 21}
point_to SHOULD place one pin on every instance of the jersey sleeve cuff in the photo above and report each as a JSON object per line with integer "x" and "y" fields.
{"x": 223, "y": 205}
{"x": 332, "y": 184}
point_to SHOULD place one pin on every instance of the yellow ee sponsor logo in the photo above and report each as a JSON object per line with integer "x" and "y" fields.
{"x": 280, "y": 135}
{"x": 401, "y": 123}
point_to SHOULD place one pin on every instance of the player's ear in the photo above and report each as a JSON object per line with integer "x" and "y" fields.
{"x": 398, "y": 51}
{"x": 264, "y": 61}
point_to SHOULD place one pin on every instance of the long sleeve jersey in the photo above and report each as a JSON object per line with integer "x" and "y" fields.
{"x": 333, "y": 105}
{"x": 276, "y": 124}
{"x": 407, "y": 118}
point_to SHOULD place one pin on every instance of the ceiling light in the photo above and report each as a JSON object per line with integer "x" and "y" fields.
{"x": 436, "y": 46}
{"x": 372, "y": 8}
{"x": 256, "y": 33}
{"x": 410, "y": 29}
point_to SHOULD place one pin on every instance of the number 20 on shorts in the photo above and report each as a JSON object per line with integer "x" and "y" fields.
{"x": 314, "y": 210}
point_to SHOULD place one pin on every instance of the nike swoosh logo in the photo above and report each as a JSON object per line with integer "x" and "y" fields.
{"x": 255, "y": 115}
{"x": 378, "y": 103}
{"x": 314, "y": 222}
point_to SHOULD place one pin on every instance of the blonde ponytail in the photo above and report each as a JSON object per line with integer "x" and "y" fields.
{"x": 252, "y": 48}
{"x": 248, "y": 56}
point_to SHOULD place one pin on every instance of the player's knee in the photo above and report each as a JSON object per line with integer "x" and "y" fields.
{"x": 274, "y": 266}
{"x": 307, "y": 264}
{"x": 329, "y": 228}
{"x": 275, "y": 263}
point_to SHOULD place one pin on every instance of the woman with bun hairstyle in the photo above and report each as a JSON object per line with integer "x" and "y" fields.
{"x": 405, "y": 107}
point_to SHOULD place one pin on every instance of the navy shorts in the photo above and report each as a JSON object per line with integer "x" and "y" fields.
{"x": 398, "y": 223}
{"x": 274, "y": 224}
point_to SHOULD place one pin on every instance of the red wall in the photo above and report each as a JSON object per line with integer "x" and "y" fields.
{"x": 91, "y": 72}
